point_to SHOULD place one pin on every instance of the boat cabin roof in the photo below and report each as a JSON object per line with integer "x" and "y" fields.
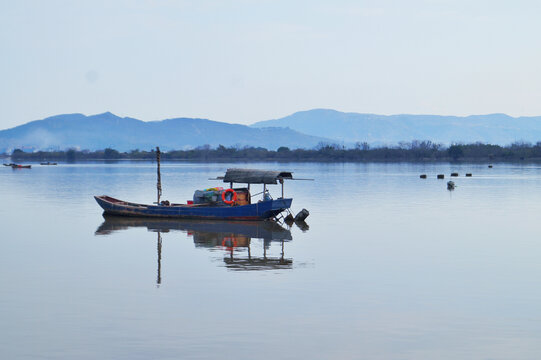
{"x": 255, "y": 176}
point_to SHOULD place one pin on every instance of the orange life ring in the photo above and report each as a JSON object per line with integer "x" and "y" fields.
{"x": 229, "y": 202}
{"x": 229, "y": 242}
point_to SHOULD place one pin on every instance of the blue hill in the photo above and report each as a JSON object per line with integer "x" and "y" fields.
{"x": 390, "y": 129}
{"x": 108, "y": 130}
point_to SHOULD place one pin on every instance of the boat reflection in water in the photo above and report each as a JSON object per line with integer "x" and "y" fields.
{"x": 233, "y": 237}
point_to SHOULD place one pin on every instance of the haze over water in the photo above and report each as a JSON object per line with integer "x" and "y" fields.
{"x": 392, "y": 266}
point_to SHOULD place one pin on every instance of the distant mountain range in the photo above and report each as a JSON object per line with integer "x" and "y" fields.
{"x": 498, "y": 129}
{"x": 305, "y": 129}
{"x": 108, "y": 130}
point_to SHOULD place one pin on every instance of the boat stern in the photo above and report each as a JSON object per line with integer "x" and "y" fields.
{"x": 275, "y": 207}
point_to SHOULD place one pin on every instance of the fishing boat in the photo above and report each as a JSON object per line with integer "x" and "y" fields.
{"x": 17, "y": 166}
{"x": 233, "y": 203}
{"x": 48, "y": 163}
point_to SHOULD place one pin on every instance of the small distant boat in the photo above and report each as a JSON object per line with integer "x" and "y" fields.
{"x": 10, "y": 164}
{"x": 214, "y": 203}
{"x": 17, "y": 166}
{"x": 48, "y": 163}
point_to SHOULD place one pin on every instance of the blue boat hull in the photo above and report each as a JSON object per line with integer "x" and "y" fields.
{"x": 259, "y": 211}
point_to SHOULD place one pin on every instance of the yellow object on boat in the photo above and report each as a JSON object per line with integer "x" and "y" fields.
{"x": 214, "y": 189}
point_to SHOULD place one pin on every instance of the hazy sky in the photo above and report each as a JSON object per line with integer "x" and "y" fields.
{"x": 245, "y": 61}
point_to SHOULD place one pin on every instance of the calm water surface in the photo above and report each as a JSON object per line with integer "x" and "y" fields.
{"x": 391, "y": 267}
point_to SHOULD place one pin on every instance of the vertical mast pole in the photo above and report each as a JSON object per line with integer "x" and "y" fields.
{"x": 159, "y": 184}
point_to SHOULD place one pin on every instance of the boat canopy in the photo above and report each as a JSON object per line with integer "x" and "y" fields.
{"x": 255, "y": 176}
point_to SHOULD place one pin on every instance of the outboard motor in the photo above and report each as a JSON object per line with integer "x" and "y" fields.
{"x": 303, "y": 214}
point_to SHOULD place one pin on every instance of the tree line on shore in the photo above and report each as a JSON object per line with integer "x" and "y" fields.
{"x": 404, "y": 151}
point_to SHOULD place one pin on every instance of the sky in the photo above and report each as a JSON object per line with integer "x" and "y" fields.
{"x": 243, "y": 61}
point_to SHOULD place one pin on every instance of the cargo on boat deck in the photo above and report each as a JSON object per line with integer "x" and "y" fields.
{"x": 212, "y": 195}
{"x": 216, "y": 196}
{"x": 243, "y": 197}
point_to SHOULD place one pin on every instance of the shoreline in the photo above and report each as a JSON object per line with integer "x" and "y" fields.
{"x": 254, "y": 161}
{"x": 423, "y": 152}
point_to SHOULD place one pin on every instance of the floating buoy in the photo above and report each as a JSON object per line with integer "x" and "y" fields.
{"x": 468, "y": 174}
{"x": 441, "y": 176}
{"x": 450, "y": 185}
{"x": 423, "y": 176}
{"x": 454, "y": 174}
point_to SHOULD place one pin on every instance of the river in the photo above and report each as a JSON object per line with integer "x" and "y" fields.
{"x": 389, "y": 266}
